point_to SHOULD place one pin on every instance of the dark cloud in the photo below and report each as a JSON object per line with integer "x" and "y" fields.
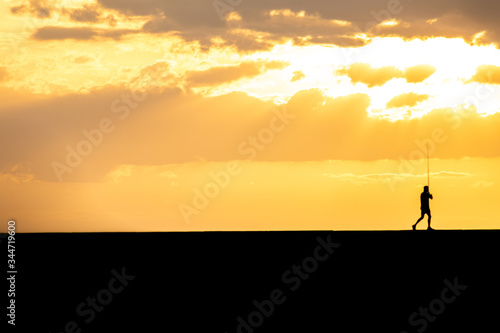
{"x": 47, "y": 33}
{"x": 158, "y": 25}
{"x": 89, "y": 14}
{"x": 84, "y": 33}
{"x": 451, "y": 25}
{"x": 86, "y": 14}
{"x": 454, "y": 18}
{"x": 303, "y": 28}
{"x": 37, "y": 8}
{"x": 244, "y": 42}
{"x": 304, "y": 22}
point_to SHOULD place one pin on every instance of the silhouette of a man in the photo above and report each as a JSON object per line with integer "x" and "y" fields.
{"x": 424, "y": 207}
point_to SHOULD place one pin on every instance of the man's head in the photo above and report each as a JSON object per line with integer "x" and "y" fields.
{"x": 426, "y": 188}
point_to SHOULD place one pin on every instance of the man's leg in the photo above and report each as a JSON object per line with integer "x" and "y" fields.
{"x": 420, "y": 219}
{"x": 429, "y": 220}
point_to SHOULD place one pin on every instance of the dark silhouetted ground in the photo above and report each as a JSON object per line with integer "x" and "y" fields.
{"x": 225, "y": 281}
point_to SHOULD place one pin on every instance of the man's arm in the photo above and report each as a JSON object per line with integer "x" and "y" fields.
{"x": 430, "y": 196}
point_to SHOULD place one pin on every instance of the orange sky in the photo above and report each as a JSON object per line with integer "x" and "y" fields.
{"x": 248, "y": 115}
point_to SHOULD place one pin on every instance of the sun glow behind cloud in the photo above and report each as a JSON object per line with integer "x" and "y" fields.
{"x": 454, "y": 60}
{"x": 91, "y": 64}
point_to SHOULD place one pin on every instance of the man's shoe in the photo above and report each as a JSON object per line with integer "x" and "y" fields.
{"x": 413, "y": 227}
{"x": 429, "y": 228}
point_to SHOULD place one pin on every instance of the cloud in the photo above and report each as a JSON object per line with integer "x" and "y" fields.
{"x": 275, "y": 64}
{"x": 304, "y": 28}
{"x": 37, "y": 8}
{"x": 364, "y": 73}
{"x": 297, "y": 75}
{"x": 482, "y": 184}
{"x": 489, "y": 74}
{"x": 226, "y": 74}
{"x": 409, "y": 99}
{"x": 439, "y": 175}
{"x": 388, "y": 177}
{"x": 450, "y": 24}
{"x": 450, "y": 174}
{"x": 260, "y": 35}
{"x": 4, "y": 74}
{"x": 153, "y": 76}
{"x": 168, "y": 127}
{"x": 243, "y": 40}
{"x": 303, "y": 22}
{"x": 140, "y": 172}
{"x": 372, "y": 178}
{"x": 324, "y": 21}
{"x": 83, "y": 33}
{"x": 158, "y": 25}
{"x": 203, "y": 20}
{"x": 82, "y": 59}
{"x": 17, "y": 174}
{"x": 47, "y": 33}
{"x": 86, "y": 14}
{"x": 418, "y": 73}
{"x": 89, "y": 13}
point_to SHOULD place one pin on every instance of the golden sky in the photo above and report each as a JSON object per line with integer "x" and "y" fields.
{"x": 166, "y": 115}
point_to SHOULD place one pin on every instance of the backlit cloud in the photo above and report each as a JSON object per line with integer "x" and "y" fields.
{"x": 487, "y": 74}
{"x": 171, "y": 127}
{"x": 364, "y": 73}
{"x": 297, "y": 75}
{"x": 409, "y": 99}
{"x": 218, "y": 75}
{"x": 418, "y": 73}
